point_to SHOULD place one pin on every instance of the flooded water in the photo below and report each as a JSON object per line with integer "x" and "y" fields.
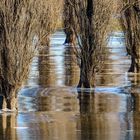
{"x": 51, "y": 108}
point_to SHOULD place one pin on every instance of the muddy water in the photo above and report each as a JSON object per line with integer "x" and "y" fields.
{"x": 50, "y": 107}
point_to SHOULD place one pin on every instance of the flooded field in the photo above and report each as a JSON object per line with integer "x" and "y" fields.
{"x": 51, "y": 108}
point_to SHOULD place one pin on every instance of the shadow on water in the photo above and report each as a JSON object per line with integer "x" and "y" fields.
{"x": 50, "y": 107}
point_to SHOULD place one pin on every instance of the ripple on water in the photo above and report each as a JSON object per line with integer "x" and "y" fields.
{"x": 50, "y": 110}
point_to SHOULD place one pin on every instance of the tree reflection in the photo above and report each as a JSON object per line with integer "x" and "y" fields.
{"x": 135, "y": 84}
{"x": 71, "y": 68}
{"x": 46, "y": 70}
{"x": 104, "y": 116}
{"x": 8, "y": 126}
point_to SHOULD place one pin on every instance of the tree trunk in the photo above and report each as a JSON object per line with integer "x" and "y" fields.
{"x": 8, "y": 93}
{"x": 135, "y": 65}
{"x": 131, "y": 25}
{"x": 11, "y": 103}
{"x": 70, "y": 37}
{"x": 86, "y": 70}
{"x": 69, "y": 19}
{"x": 84, "y": 81}
{"x": 92, "y": 20}
{"x": 2, "y": 102}
{"x": 86, "y": 76}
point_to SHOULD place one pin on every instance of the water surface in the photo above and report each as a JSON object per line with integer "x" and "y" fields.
{"x": 51, "y": 108}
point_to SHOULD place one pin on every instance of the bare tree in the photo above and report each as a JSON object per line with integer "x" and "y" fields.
{"x": 20, "y": 22}
{"x": 130, "y": 21}
{"x": 49, "y": 19}
{"x": 93, "y": 17}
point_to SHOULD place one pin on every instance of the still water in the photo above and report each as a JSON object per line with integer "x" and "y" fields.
{"x": 50, "y": 107}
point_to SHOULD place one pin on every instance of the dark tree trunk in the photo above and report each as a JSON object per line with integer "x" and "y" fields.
{"x": 130, "y": 22}
{"x": 92, "y": 18}
{"x": 86, "y": 77}
{"x": 69, "y": 19}
{"x": 86, "y": 62}
{"x": 134, "y": 67}
{"x": 84, "y": 80}
{"x": 70, "y": 37}
{"x": 8, "y": 93}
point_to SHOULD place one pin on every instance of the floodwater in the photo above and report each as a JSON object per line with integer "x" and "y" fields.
{"x": 51, "y": 108}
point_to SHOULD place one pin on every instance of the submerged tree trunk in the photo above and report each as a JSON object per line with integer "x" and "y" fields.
{"x": 92, "y": 18}
{"x": 130, "y": 22}
{"x": 85, "y": 79}
{"x": 86, "y": 71}
{"x": 9, "y": 94}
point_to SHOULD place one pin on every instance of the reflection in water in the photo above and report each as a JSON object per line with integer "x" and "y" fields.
{"x": 114, "y": 70}
{"x": 7, "y": 126}
{"x": 46, "y": 69}
{"x": 135, "y": 90}
{"x": 47, "y": 126}
{"x": 71, "y": 68}
{"x": 54, "y": 116}
{"x": 50, "y": 107}
{"x": 105, "y": 117}
{"x": 48, "y": 99}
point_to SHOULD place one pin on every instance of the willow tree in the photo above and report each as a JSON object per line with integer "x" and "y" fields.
{"x": 20, "y": 22}
{"x": 130, "y": 21}
{"x": 93, "y": 17}
{"x": 68, "y": 20}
